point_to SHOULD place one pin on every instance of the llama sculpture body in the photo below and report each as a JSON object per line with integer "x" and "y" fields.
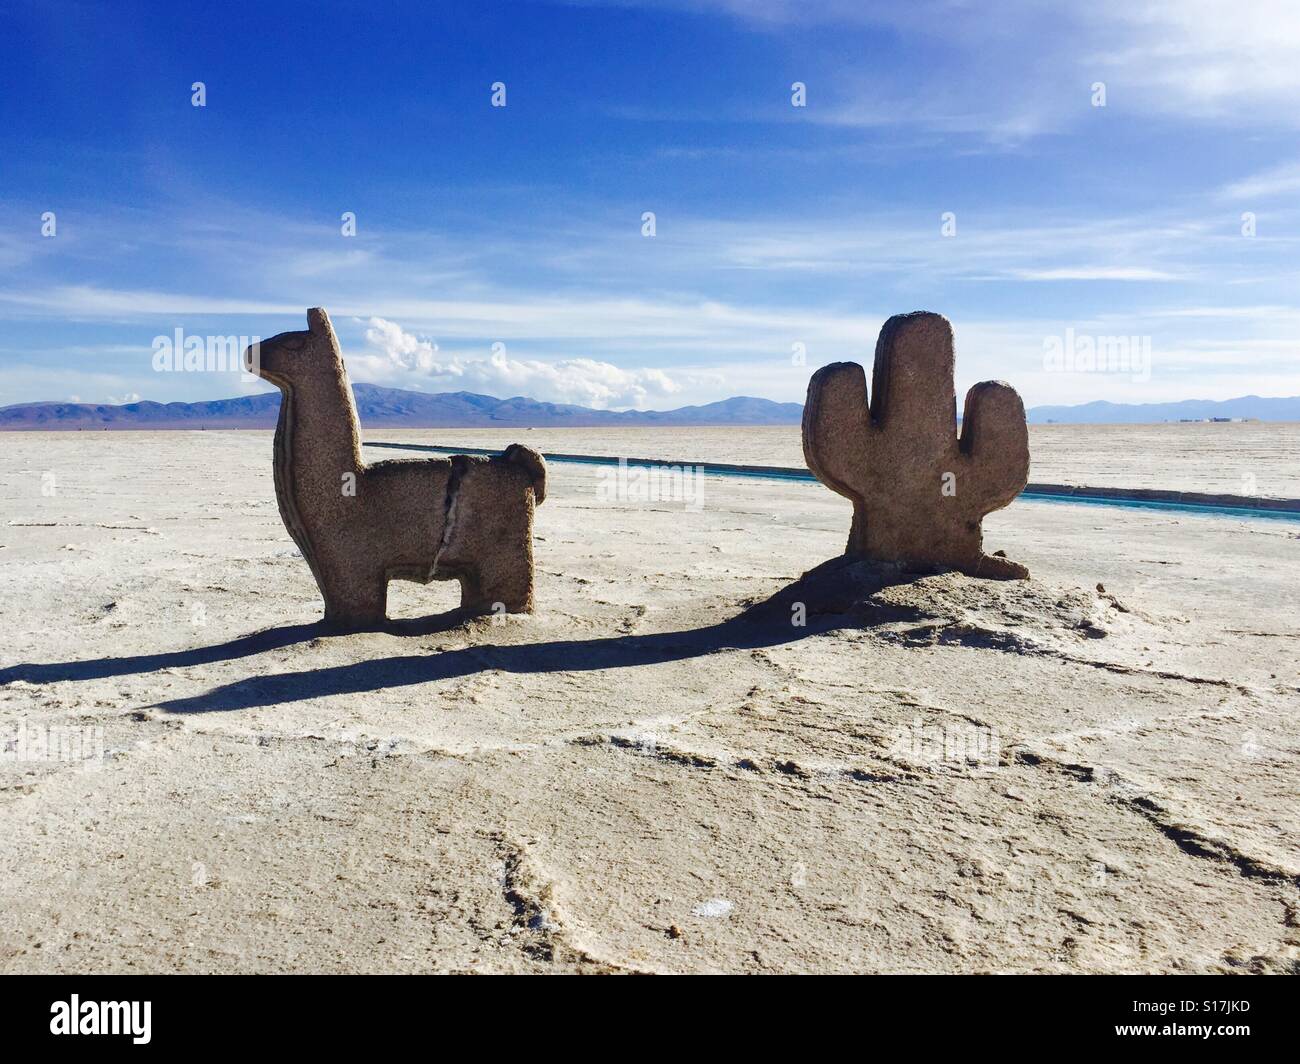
{"x": 919, "y": 492}
{"x": 360, "y": 525}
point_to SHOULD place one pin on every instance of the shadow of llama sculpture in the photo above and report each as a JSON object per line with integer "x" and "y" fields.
{"x": 919, "y": 492}
{"x": 361, "y": 525}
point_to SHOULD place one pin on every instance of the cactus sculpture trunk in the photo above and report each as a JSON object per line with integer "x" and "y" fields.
{"x": 919, "y": 491}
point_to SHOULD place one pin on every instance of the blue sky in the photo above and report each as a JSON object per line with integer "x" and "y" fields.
{"x": 775, "y": 225}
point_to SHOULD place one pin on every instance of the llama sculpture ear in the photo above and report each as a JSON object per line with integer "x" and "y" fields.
{"x": 319, "y": 322}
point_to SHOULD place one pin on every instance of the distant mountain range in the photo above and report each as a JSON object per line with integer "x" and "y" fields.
{"x": 1102, "y": 413}
{"x": 391, "y": 408}
{"x": 394, "y": 408}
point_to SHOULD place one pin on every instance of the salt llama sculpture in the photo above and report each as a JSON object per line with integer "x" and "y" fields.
{"x": 919, "y": 492}
{"x": 360, "y": 525}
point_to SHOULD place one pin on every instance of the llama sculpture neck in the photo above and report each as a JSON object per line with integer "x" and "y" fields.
{"x": 317, "y": 437}
{"x": 324, "y": 423}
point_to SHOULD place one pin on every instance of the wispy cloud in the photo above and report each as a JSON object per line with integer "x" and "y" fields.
{"x": 604, "y": 318}
{"x": 1276, "y": 181}
{"x": 1026, "y": 67}
{"x": 82, "y": 301}
{"x": 1096, "y": 273}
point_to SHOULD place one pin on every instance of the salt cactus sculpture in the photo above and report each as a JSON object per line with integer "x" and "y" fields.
{"x": 919, "y": 492}
{"x": 361, "y": 524}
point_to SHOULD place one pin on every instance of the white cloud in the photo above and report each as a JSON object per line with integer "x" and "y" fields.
{"x": 402, "y": 349}
{"x": 396, "y": 355}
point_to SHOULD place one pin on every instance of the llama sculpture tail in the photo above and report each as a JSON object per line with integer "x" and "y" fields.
{"x": 533, "y": 464}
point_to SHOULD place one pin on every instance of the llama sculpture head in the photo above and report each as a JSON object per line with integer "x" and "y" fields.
{"x": 292, "y": 357}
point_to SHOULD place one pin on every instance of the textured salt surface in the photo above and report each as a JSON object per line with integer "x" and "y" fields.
{"x": 932, "y": 774}
{"x": 1241, "y": 459}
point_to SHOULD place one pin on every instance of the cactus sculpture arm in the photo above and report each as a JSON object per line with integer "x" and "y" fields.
{"x": 919, "y": 492}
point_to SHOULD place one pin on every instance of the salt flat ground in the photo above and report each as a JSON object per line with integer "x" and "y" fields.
{"x": 1244, "y": 459}
{"x": 963, "y": 776}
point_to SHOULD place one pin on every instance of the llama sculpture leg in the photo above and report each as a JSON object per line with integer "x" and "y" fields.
{"x": 919, "y": 492}
{"x": 490, "y": 552}
{"x": 360, "y": 525}
{"x": 352, "y": 603}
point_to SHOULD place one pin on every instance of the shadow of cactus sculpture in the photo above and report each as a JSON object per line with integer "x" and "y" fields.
{"x": 919, "y": 492}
